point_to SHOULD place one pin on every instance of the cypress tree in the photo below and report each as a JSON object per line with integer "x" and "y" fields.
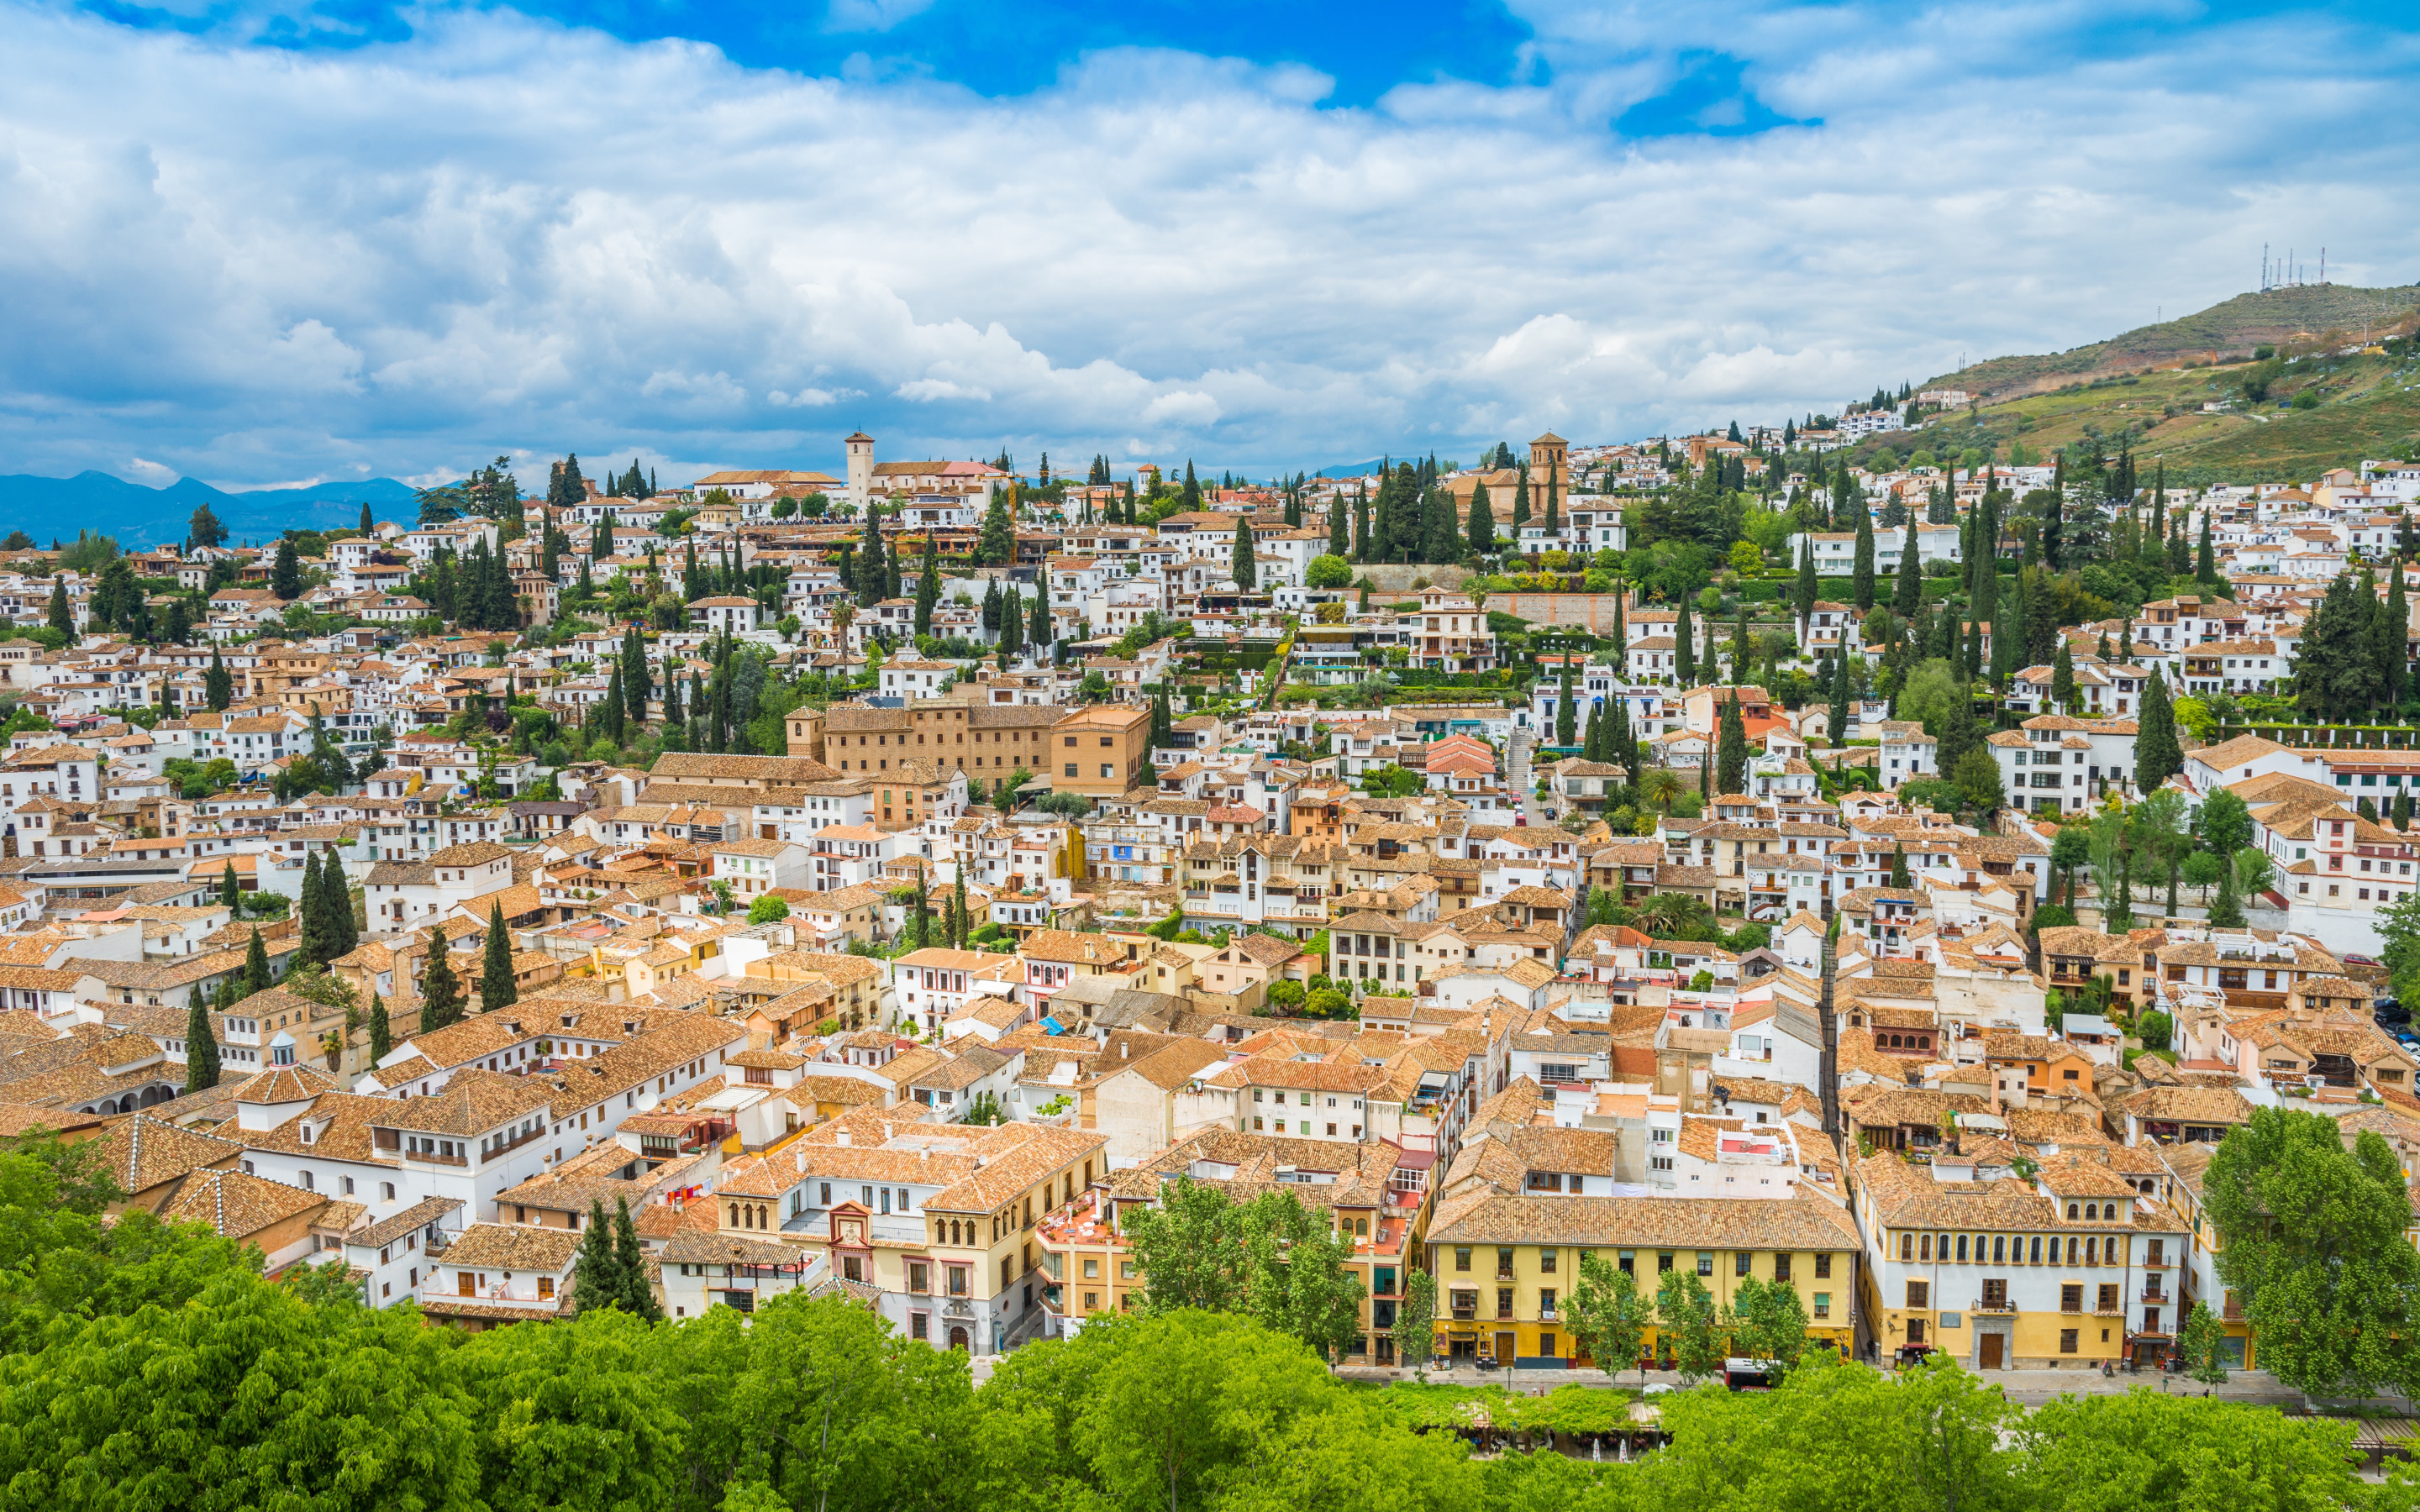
{"x": 1961, "y": 732}
{"x": 1684, "y": 648}
{"x": 1739, "y": 646}
{"x": 991, "y": 607}
{"x": 307, "y": 912}
{"x": 1862, "y": 572}
{"x": 1520, "y": 505}
{"x": 1483, "y": 522}
{"x": 928, "y": 588}
{"x": 496, "y": 986}
{"x": 1563, "y": 712}
{"x": 637, "y": 676}
{"x": 1907, "y": 586}
{"x": 638, "y": 1299}
{"x": 2006, "y": 636}
{"x": 2062, "y": 678}
{"x": 1242, "y": 566}
{"x": 1898, "y": 877}
{"x": 337, "y": 910}
{"x": 872, "y": 576}
{"x": 2157, "y": 757}
{"x": 598, "y": 1281}
{"x": 1835, "y": 721}
{"x": 218, "y": 683}
{"x": 1620, "y": 647}
{"x": 1361, "y": 523}
{"x": 1040, "y": 634}
{"x": 255, "y": 965}
{"x": 1592, "y": 741}
{"x": 285, "y": 573}
{"x": 2227, "y": 909}
{"x": 1847, "y": 498}
{"x": 2205, "y": 562}
{"x": 201, "y": 1044}
{"x": 961, "y": 926}
{"x": 62, "y": 618}
{"x": 1731, "y": 748}
{"x": 1192, "y": 495}
{"x": 369, "y": 526}
{"x": 609, "y": 710}
{"x": 1339, "y": 538}
{"x": 996, "y": 546}
{"x": 1554, "y": 524}
{"x": 1801, "y": 597}
{"x": 441, "y": 1001}
{"x": 230, "y": 897}
{"x": 2054, "y": 513}
{"x": 382, "y": 1032}
{"x": 2394, "y": 638}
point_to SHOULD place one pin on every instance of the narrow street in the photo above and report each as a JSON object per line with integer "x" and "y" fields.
{"x": 2029, "y": 1387}
{"x": 1518, "y": 773}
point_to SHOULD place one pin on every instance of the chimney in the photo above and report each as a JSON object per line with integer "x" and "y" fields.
{"x": 842, "y": 1139}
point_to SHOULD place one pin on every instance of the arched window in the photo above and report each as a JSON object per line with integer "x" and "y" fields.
{"x": 735, "y": 1213}
{"x": 1999, "y": 1248}
{"x": 2037, "y": 1259}
{"x": 2070, "y": 1209}
{"x": 1962, "y": 1247}
{"x": 2092, "y": 1252}
{"x": 1924, "y": 1248}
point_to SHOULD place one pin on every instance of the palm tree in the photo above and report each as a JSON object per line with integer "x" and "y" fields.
{"x": 1667, "y": 915}
{"x": 1660, "y": 788}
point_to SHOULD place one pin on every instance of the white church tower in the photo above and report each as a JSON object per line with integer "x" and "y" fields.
{"x": 860, "y": 470}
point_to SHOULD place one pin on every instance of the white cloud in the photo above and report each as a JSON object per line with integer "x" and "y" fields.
{"x": 1186, "y": 410}
{"x": 928, "y": 389}
{"x": 147, "y": 471}
{"x": 261, "y": 264}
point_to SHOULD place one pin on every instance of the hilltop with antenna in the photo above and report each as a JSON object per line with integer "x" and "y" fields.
{"x": 2285, "y": 315}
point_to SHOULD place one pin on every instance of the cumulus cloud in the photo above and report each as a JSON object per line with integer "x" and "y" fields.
{"x": 407, "y": 255}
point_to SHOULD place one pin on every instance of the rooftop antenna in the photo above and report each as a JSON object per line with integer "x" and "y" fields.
{"x": 2323, "y": 266}
{"x": 2264, "y": 267}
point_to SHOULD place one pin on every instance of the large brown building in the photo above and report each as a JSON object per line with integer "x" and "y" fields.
{"x": 986, "y": 741}
{"x": 1100, "y": 751}
{"x": 1108, "y": 744}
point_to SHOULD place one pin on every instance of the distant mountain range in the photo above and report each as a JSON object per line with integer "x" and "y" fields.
{"x": 56, "y": 508}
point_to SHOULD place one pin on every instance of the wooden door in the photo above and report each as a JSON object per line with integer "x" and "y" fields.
{"x": 1990, "y": 1355}
{"x": 1504, "y": 1348}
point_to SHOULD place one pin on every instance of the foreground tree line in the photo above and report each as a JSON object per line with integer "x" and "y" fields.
{"x": 150, "y": 1364}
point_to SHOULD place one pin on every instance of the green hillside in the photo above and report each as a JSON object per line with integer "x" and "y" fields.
{"x": 2286, "y": 317}
{"x": 2286, "y": 418}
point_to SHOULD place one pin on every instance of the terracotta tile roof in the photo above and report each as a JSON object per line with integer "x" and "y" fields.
{"x": 513, "y": 1247}
{"x": 1806, "y": 1222}
{"x": 238, "y": 1206}
{"x": 142, "y": 1151}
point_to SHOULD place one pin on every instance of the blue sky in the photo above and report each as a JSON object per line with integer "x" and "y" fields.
{"x": 258, "y": 241}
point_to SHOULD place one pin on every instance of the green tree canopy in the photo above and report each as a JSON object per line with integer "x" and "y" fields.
{"x": 2312, "y": 1240}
